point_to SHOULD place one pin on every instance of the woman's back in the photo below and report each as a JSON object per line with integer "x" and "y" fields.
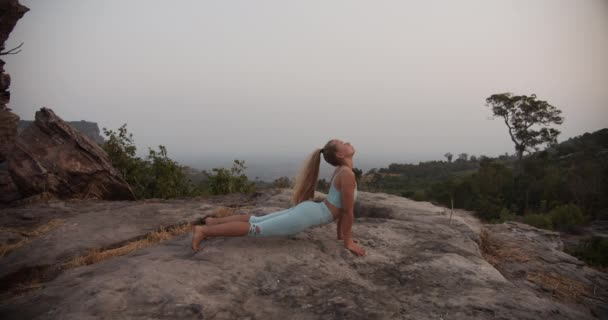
{"x": 334, "y": 196}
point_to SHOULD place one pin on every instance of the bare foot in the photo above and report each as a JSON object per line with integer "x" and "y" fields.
{"x": 197, "y": 237}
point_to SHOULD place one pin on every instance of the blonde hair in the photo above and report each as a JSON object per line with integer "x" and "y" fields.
{"x": 306, "y": 180}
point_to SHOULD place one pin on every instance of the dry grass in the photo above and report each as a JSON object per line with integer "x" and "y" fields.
{"x": 562, "y": 287}
{"x": 222, "y": 212}
{"x": 26, "y": 286}
{"x": 496, "y": 253}
{"x": 150, "y": 239}
{"x": 28, "y": 280}
{"x": 28, "y": 235}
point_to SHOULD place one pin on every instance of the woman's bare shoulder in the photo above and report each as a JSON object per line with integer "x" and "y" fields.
{"x": 346, "y": 177}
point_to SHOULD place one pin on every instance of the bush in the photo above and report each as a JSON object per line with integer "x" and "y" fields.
{"x": 487, "y": 209}
{"x": 542, "y": 221}
{"x": 407, "y": 194}
{"x": 593, "y": 251}
{"x": 167, "y": 177}
{"x": 120, "y": 148}
{"x": 226, "y": 181}
{"x": 156, "y": 177}
{"x": 566, "y": 217}
{"x": 282, "y": 182}
{"x": 506, "y": 215}
{"x": 419, "y": 195}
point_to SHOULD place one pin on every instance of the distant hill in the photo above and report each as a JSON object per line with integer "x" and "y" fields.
{"x": 406, "y": 179}
{"x": 90, "y": 129}
{"x": 593, "y": 144}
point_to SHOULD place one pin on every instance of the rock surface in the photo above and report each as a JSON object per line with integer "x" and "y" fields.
{"x": 420, "y": 265}
{"x": 51, "y": 156}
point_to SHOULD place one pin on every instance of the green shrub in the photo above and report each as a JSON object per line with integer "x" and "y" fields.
{"x": 566, "y": 217}
{"x": 167, "y": 177}
{"x": 487, "y": 209}
{"x": 419, "y": 195}
{"x": 226, "y": 181}
{"x": 407, "y": 194}
{"x": 282, "y": 182}
{"x": 506, "y": 215}
{"x": 120, "y": 148}
{"x": 593, "y": 251}
{"x": 155, "y": 177}
{"x": 542, "y": 221}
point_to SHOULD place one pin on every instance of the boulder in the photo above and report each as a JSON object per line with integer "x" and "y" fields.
{"x": 51, "y": 156}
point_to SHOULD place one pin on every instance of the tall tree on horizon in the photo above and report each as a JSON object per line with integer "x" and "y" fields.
{"x": 448, "y": 155}
{"x": 527, "y": 119}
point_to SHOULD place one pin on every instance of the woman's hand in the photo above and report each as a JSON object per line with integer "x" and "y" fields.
{"x": 352, "y": 246}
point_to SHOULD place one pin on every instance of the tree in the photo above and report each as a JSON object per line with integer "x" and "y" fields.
{"x": 282, "y": 182}
{"x": 521, "y": 114}
{"x": 157, "y": 176}
{"x": 463, "y": 156}
{"x": 121, "y": 150}
{"x": 224, "y": 181}
{"x": 323, "y": 185}
{"x": 449, "y": 156}
{"x": 167, "y": 179}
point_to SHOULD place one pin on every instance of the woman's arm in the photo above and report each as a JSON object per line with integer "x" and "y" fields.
{"x": 347, "y": 186}
{"x": 339, "y": 228}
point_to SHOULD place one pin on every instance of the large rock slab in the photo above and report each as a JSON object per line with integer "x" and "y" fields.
{"x": 51, "y": 156}
{"x": 92, "y": 225}
{"x": 421, "y": 265}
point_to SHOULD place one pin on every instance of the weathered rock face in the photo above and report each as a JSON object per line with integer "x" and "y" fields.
{"x": 420, "y": 265}
{"x": 8, "y": 189}
{"x": 10, "y": 12}
{"x": 51, "y": 156}
{"x": 532, "y": 258}
{"x": 8, "y": 131}
{"x": 89, "y": 129}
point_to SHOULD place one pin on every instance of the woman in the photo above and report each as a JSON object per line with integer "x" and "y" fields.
{"x": 306, "y": 213}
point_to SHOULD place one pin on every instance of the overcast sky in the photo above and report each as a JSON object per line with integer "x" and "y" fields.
{"x": 403, "y": 81}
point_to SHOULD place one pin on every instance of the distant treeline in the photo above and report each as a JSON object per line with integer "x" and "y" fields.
{"x": 560, "y": 187}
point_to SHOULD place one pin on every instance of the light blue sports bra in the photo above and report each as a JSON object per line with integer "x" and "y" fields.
{"x": 334, "y": 196}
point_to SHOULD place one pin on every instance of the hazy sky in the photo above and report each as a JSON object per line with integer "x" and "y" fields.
{"x": 402, "y": 80}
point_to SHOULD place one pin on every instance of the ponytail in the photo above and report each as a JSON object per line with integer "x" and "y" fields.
{"x": 306, "y": 180}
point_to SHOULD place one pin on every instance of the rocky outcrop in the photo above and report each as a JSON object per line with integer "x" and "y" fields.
{"x": 10, "y": 12}
{"x": 51, "y": 156}
{"x": 89, "y": 129}
{"x": 420, "y": 265}
{"x": 8, "y": 189}
{"x": 533, "y": 258}
{"x": 8, "y": 131}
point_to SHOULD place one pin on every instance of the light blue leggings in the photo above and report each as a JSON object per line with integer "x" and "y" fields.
{"x": 290, "y": 221}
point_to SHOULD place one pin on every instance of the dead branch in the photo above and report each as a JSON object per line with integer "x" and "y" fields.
{"x": 12, "y": 51}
